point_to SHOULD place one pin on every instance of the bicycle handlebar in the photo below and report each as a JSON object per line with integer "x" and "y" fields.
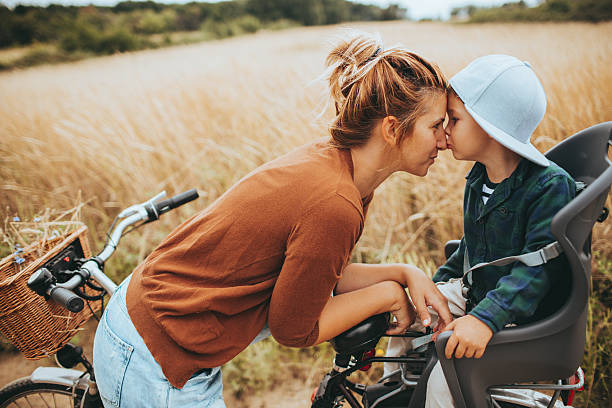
{"x": 176, "y": 201}
{"x": 43, "y": 282}
{"x": 67, "y": 299}
{"x": 144, "y": 212}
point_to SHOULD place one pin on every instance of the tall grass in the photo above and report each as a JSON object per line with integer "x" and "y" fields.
{"x": 121, "y": 128}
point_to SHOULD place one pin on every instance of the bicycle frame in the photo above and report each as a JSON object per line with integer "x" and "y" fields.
{"x": 336, "y": 386}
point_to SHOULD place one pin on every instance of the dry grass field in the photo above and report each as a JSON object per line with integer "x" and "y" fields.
{"x": 119, "y": 129}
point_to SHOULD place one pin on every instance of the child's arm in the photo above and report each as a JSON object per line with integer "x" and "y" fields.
{"x": 453, "y": 267}
{"x": 518, "y": 294}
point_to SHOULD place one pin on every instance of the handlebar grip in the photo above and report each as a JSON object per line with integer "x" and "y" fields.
{"x": 67, "y": 299}
{"x": 176, "y": 201}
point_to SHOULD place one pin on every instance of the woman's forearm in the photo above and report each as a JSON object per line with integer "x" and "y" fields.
{"x": 357, "y": 275}
{"x": 423, "y": 292}
{"x": 348, "y": 309}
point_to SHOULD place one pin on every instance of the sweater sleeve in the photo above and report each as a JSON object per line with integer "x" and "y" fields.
{"x": 453, "y": 267}
{"x": 318, "y": 248}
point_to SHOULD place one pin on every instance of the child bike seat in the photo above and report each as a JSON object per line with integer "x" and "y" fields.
{"x": 551, "y": 348}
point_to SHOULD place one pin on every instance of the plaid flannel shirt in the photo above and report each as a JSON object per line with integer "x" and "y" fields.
{"x": 515, "y": 220}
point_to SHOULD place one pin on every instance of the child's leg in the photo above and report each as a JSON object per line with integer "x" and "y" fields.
{"x": 438, "y": 393}
{"x": 456, "y": 303}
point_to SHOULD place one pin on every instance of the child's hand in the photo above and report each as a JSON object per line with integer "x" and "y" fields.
{"x": 469, "y": 339}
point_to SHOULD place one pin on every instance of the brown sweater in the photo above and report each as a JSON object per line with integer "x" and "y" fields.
{"x": 271, "y": 248}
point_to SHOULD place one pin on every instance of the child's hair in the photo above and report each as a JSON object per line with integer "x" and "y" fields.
{"x": 368, "y": 82}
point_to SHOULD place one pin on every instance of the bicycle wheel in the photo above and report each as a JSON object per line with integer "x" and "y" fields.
{"x": 26, "y": 393}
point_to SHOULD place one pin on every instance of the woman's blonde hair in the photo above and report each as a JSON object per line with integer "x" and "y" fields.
{"x": 368, "y": 82}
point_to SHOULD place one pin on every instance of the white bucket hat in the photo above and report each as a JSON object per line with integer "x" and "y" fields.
{"x": 505, "y": 97}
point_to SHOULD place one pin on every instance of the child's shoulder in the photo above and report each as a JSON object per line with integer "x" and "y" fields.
{"x": 550, "y": 174}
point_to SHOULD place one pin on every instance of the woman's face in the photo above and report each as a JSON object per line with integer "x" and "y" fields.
{"x": 420, "y": 149}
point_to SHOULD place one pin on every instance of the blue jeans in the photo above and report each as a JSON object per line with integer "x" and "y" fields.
{"x": 127, "y": 375}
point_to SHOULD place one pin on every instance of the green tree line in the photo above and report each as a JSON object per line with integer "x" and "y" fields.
{"x": 131, "y": 25}
{"x": 548, "y": 10}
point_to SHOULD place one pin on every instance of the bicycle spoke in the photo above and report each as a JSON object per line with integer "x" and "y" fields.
{"x": 28, "y": 401}
{"x": 43, "y": 400}
{"x": 16, "y": 403}
{"x": 495, "y": 403}
{"x": 61, "y": 398}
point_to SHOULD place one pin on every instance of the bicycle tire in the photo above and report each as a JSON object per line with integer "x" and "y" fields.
{"x": 25, "y": 392}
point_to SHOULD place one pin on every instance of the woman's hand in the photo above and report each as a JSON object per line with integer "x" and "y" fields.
{"x": 424, "y": 293}
{"x": 402, "y": 309}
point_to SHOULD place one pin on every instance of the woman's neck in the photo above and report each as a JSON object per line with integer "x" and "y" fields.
{"x": 373, "y": 163}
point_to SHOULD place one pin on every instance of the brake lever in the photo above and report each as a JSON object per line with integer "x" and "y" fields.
{"x": 136, "y": 207}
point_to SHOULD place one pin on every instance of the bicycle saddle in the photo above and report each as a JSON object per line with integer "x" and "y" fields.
{"x": 363, "y": 336}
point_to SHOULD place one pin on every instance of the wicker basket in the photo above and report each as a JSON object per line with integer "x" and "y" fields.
{"x": 35, "y": 326}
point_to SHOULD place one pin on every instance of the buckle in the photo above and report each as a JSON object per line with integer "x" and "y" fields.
{"x": 465, "y": 291}
{"x": 467, "y": 279}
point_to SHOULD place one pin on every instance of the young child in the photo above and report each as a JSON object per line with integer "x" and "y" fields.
{"x": 511, "y": 196}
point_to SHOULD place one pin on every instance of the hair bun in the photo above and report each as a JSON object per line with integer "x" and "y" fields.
{"x": 350, "y": 60}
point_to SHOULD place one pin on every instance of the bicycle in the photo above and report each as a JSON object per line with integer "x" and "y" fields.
{"x": 50, "y": 386}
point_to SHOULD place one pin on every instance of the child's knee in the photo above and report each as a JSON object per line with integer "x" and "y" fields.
{"x": 397, "y": 346}
{"x": 437, "y": 381}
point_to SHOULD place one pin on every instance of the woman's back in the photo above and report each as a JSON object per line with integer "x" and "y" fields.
{"x": 212, "y": 278}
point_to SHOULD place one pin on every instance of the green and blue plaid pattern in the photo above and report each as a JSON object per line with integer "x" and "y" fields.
{"x": 515, "y": 220}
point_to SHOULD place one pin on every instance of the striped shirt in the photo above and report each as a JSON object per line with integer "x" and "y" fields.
{"x": 487, "y": 188}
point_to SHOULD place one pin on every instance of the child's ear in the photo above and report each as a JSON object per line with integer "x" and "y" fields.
{"x": 389, "y": 128}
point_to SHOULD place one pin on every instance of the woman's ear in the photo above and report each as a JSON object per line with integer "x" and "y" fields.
{"x": 389, "y": 131}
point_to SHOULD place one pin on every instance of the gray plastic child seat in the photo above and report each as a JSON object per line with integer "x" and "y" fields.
{"x": 551, "y": 348}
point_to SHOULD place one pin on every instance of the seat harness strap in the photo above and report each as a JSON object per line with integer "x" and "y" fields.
{"x": 535, "y": 258}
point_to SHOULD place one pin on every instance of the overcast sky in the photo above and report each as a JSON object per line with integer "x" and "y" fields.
{"x": 417, "y": 8}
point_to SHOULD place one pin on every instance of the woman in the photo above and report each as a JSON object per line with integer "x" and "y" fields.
{"x": 265, "y": 257}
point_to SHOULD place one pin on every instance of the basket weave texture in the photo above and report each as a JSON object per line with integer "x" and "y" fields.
{"x": 37, "y": 327}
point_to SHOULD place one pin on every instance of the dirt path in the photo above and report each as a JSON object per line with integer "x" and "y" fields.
{"x": 291, "y": 395}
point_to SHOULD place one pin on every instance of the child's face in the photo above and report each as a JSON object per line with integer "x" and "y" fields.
{"x": 465, "y": 137}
